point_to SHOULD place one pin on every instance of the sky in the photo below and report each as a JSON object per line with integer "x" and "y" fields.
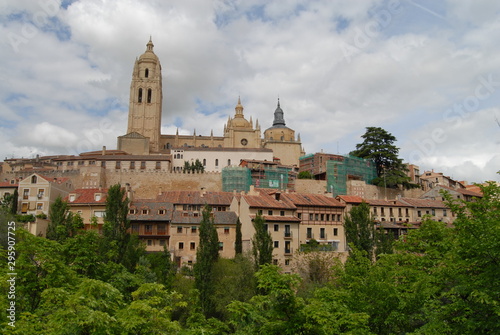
{"x": 427, "y": 72}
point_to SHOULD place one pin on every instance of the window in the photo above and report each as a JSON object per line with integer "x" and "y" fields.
{"x": 311, "y": 217}
{"x": 399, "y": 212}
{"x": 382, "y": 211}
{"x": 445, "y": 213}
{"x": 282, "y": 213}
{"x": 39, "y": 206}
{"x": 158, "y": 165}
{"x": 322, "y": 217}
{"x": 181, "y": 245}
{"x": 216, "y": 163}
{"x": 288, "y": 248}
{"x": 150, "y": 242}
{"x": 259, "y": 212}
{"x": 407, "y": 212}
{"x": 143, "y": 165}
{"x": 148, "y": 229}
{"x": 132, "y": 211}
{"x": 26, "y": 193}
{"x": 132, "y": 165}
{"x": 41, "y": 193}
{"x": 322, "y": 233}
{"x": 161, "y": 229}
{"x": 433, "y": 212}
{"x": 374, "y": 210}
{"x": 221, "y": 246}
{"x": 117, "y": 165}
{"x": 338, "y": 217}
{"x": 288, "y": 232}
{"x": 204, "y": 162}
{"x": 299, "y": 215}
{"x": 228, "y": 162}
{"x": 193, "y": 229}
{"x": 276, "y": 244}
{"x": 135, "y": 228}
{"x": 316, "y": 217}
{"x": 287, "y": 262}
{"x": 419, "y": 213}
{"x": 192, "y": 246}
{"x": 162, "y": 242}
{"x": 269, "y": 212}
{"x": 69, "y": 163}
{"x": 145, "y": 212}
{"x": 226, "y": 230}
{"x": 275, "y": 261}
{"x": 99, "y": 214}
{"x": 276, "y": 227}
{"x": 139, "y": 97}
{"x": 179, "y": 230}
{"x": 33, "y": 179}
{"x": 328, "y": 217}
{"x": 335, "y": 232}
{"x": 309, "y": 233}
{"x": 146, "y": 73}
{"x": 150, "y": 93}
{"x": 161, "y": 212}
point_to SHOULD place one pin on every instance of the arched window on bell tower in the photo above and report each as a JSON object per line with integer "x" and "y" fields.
{"x": 146, "y": 73}
{"x": 139, "y": 97}
{"x": 150, "y": 93}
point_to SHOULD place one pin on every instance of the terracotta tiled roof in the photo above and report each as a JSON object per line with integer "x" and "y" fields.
{"x": 461, "y": 191}
{"x": 265, "y": 200}
{"x": 352, "y": 199}
{"x": 197, "y": 198}
{"x": 424, "y": 203}
{"x": 7, "y": 184}
{"x": 277, "y": 218}
{"x": 377, "y": 202}
{"x": 87, "y": 196}
{"x": 316, "y": 200}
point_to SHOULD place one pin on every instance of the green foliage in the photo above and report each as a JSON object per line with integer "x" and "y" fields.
{"x": 63, "y": 223}
{"x": 238, "y": 244}
{"x": 305, "y": 175}
{"x": 262, "y": 243}
{"x": 9, "y": 202}
{"x": 360, "y": 230}
{"x": 207, "y": 255}
{"x": 162, "y": 266}
{"x": 25, "y": 218}
{"x": 378, "y": 145}
{"x": 192, "y": 167}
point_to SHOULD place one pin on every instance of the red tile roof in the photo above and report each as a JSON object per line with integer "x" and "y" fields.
{"x": 277, "y": 218}
{"x": 264, "y": 200}
{"x": 197, "y": 198}
{"x": 7, "y": 184}
{"x": 377, "y": 202}
{"x": 316, "y": 200}
{"x": 87, "y": 196}
{"x": 424, "y": 203}
{"x": 353, "y": 199}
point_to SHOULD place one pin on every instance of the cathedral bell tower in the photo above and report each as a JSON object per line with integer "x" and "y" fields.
{"x": 145, "y": 104}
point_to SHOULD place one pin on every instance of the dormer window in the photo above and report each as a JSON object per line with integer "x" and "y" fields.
{"x": 97, "y": 197}
{"x": 144, "y": 212}
{"x": 72, "y": 197}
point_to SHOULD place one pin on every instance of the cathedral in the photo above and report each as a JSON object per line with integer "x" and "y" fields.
{"x": 240, "y": 135}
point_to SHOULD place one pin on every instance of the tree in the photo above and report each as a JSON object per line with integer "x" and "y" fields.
{"x": 262, "y": 243}
{"x": 378, "y": 145}
{"x": 207, "y": 255}
{"x": 305, "y": 175}
{"x": 360, "y": 230}
{"x": 238, "y": 244}
{"x": 116, "y": 224}
{"x": 63, "y": 223}
{"x": 9, "y": 202}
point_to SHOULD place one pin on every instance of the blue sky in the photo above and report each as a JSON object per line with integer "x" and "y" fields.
{"x": 426, "y": 71}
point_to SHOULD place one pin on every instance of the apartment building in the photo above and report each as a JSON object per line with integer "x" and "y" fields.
{"x": 89, "y": 203}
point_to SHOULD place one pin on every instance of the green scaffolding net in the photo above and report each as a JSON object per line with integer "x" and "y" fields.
{"x": 276, "y": 178}
{"x": 350, "y": 168}
{"x": 236, "y": 179}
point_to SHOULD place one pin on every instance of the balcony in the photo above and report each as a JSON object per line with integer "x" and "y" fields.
{"x": 288, "y": 235}
{"x": 288, "y": 251}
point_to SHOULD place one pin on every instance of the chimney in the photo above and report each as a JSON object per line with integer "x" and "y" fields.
{"x": 277, "y": 196}
{"x": 103, "y": 150}
{"x": 160, "y": 191}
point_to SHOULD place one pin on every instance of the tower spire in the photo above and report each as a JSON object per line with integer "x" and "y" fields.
{"x": 279, "y": 119}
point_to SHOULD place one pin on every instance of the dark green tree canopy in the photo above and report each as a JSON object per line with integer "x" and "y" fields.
{"x": 378, "y": 145}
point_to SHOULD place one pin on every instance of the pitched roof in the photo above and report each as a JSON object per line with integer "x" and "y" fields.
{"x": 377, "y": 202}
{"x": 277, "y": 218}
{"x": 153, "y": 213}
{"x": 197, "y": 198}
{"x": 7, "y": 184}
{"x": 424, "y": 203}
{"x": 220, "y": 218}
{"x": 87, "y": 196}
{"x": 352, "y": 199}
{"x": 264, "y": 200}
{"x": 316, "y": 200}
{"x": 461, "y": 191}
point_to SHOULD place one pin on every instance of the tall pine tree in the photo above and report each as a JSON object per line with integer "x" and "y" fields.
{"x": 262, "y": 242}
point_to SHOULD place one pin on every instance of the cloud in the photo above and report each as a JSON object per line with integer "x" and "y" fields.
{"x": 410, "y": 63}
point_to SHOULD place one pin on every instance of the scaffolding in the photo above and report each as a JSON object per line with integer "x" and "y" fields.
{"x": 276, "y": 178}
{"x": 350, "y": 168}
{"x": 236, "y": 179}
